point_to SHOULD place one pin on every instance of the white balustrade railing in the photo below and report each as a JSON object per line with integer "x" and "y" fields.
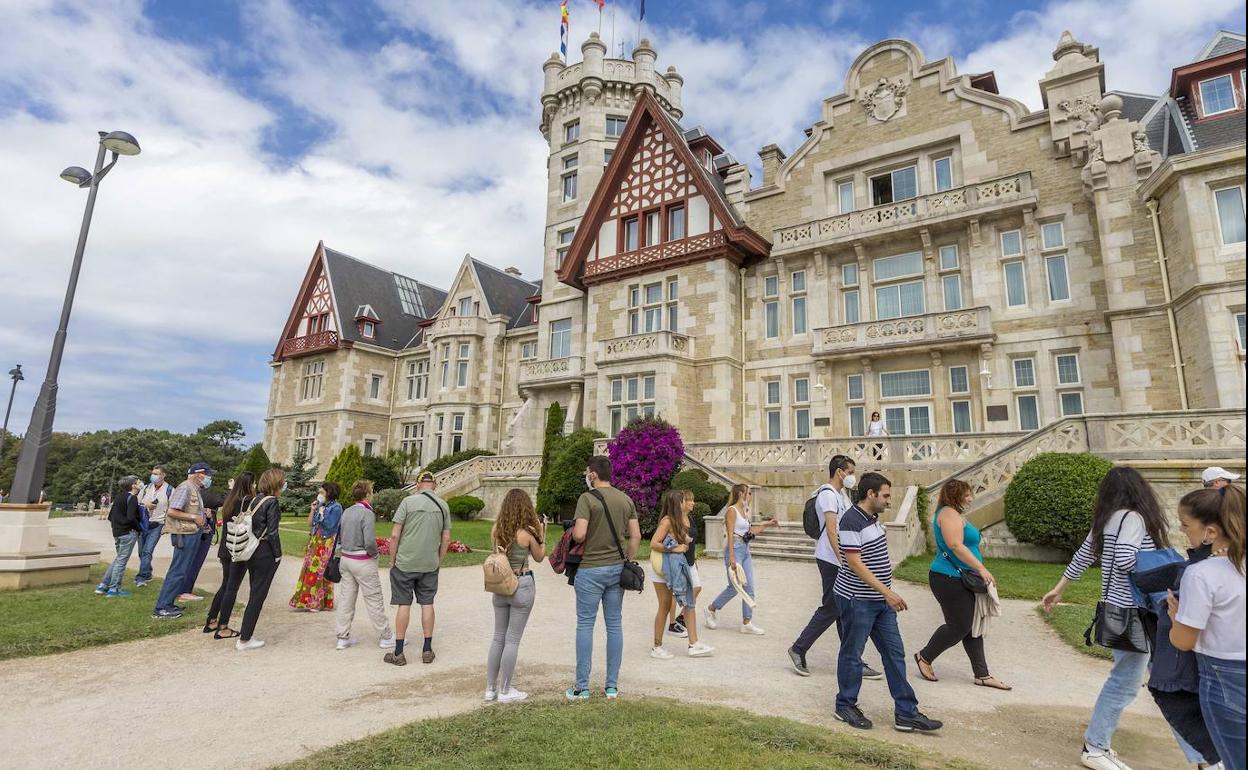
{"x": 645, "y": 345}
{"x": 932, "y": 329}
{"x": 551, "y": 370}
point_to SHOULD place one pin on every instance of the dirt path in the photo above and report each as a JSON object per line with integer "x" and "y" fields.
{"x": 160, "y": 703}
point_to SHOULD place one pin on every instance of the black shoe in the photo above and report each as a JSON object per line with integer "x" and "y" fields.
{"x": 853, "y": 716}
{"x": 918, "y": 722}
{"x": 870, "y": 673}
{"x": 799, "y": 662}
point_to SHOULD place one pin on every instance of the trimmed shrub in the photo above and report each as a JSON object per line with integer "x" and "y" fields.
{"x": 710, "y": 493}
{"x": 255, "y": 462}
{"x": 386, "y": 502}
{"x": 567, "y": 470}
{"x": 381, "y": 473}
{"x": 700, "y": 511}
{"x": 455, "y": 458}
{"x": 465, "y": 507}
{"x": 545, "y": 502}
{"x": 689, "y": 478}
{"x": 1049, "y": 501}
{"x": 644, "y": 458}
{"x": 347, "y": 468}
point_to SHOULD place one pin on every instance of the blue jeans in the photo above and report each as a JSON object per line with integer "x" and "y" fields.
{"x": 197, "y": 563}
{"x": 594, "y": 586}
{"x": 184, "y": 548}
{"x": 117, "y": 570}
{"x": 740, "y": 551}
{"x": 1222, "y": 703}
{"x": 862, "y": 619}
{"x": 147, "y": 546}
{"x": 1117, "y": 693}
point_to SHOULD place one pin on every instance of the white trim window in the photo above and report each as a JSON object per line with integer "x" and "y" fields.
{"x": 857, "y": 420}
{"x": 897, "y": 185}
{"x": 563, "y": 242}
{"x": 942, "y": 173}
{"x": 1241, "y": 334}
{"x": 854, "y": 388}
{"x": 457, "y": 433}
{"x": 908, "y": 419}
{"x": 305, "y": 438}
{"x": 446, "y": 365}
{"x": 370, "y": 447}
{"x": 904, "y": 384}
{"x": 1015, "y": 283}
{"x": 438, "y": 434}
{"x": 771, "y": 307}
{"x": 1229, "y": 201}
{"x": 771, "y": 414}
{"x": 461, "y": 364}
{"x": 312, "y": 381}
{"x": 1067, "y": 367}
{"x": 797, "y": 290}
{"x": 615, "y": 126}
{"x": 673, "y": 307}
{"x": 631, "y": 397}
{"x": 845, "y": 196}
{"x": 1217, "y": 95}
{"x": 950, "y": 277}
{"x": 561, "y": 338}
{"x": 374, "y": 387}
{"x": 1053, "y": 239}
{"x": 1012, "y": 243}
{"x": 675, "y": 223}
{"x": 1024, "y": 372}
{"x": 412, "y": 442}
{"x": 465, "y": 307}
{"x": 648, "y": 308}
{"x": 1028, "y": 412}
{"x": 528, "y": 351}
{"x": 417, "y": 379}
{"x": 962, "y": 422}
{"x": 607, "y": 155}
{"x": 571, "y": 131}
{"x": 653, "y": 230}
{"x": 903, "y": 295}
{"x": 1072, "y": 403}
{"x": 801, "y": 407}
{"x": 568, "y": 178}
{"x": 959, "y": 379}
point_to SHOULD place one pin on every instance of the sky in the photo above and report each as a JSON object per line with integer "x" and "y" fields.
{"x": 403, "y": 132}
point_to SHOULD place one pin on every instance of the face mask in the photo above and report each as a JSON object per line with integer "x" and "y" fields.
{"x": 321, "y": 498}
{"x": 850, "y": 481}
{"x": 284, "y": 486}
{"x": 207, "y": 481}
{"x": 589, "y": 482}
{"x": 154, "y": 479}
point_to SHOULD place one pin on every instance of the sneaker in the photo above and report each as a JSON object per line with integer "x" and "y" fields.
{"x": 115, "y": 593}
{"x": 346, "y": 644}
{"x": 916, "y": 723}
{"x": 491, "y": 696}
{"x": 700, "y": 650}
{"x": 387, "y": 643}
{"x": 574, "y": 695}
{"x": 659, "y": 653}
{"x": 176, "y": 612}
{"x": 1098, "y": 759}
{"x": 250, "y": 644}
{"x": 190, "y": 598}
{"x": 427, "y": 656}
{"x": 712, "y": 619}
{"x": 870, "y": 673}
{"x": 799, "y": 662}
{"x": 853, "y": 717}
{"x": 676, "y": 629}
{"x": 395, "y": 660}
{"x": 750, "y": 628}
{"x": 611, "y": 692}
{"x": 139, "y": 582}
{"x": 101, "y": 589}
{"x": 512, "y": 695}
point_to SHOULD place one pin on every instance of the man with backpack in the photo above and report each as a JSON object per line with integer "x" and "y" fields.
{"x": 820, "y": 519}
{"x": 184, "y": 520}
{"x": 421, "y": 535}
{"x": 155, "y": 498}
{"x": 605, "y": 516}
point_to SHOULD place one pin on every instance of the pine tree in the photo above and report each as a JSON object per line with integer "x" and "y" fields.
{"x": 546, "y": 503}
{"x": 255, "y": 462}
{"x": 300, "y": 489}
{"x": 347, "y": 468}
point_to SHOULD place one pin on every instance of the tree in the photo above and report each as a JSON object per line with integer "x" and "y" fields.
{"x": 403, "y": 463}
{"x": 255, "y": 462}
{"x": 223, "y": 433}
{"x": 300, "y": 491}
{"x": 347, "y": 468}
{"x": 380, "y": 473}
{"x": 554, "y": 435}
{"x": 644, "y": 458}
{"x": 567, "y": 470}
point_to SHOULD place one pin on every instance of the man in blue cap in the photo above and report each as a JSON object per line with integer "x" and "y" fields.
{"x": 183, "y": 522}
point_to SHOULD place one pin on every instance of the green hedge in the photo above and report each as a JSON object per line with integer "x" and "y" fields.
{"x": 386, "y": 502}
{"x": 1049, "y": 501}
{"x": 545, "y": 502}
{"x": 700, "y": 511}
{"x": 455, "y": 458}
{"x": 465, "y": 507}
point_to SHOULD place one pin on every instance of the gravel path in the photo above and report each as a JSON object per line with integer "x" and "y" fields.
{"x": 169, "y": 702}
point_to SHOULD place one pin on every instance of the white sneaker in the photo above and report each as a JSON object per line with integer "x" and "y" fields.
{"x": 660, "y": 653}
{"x": 512, "y": 695}
{"x": 750, "y": 628}
{"x": 346, "y": 644}
{"x": 712, "y": 622}
{"x": 491, "y": 696}
{"x": 253, "y": 644}
{"x": 190, "y": 598}
{"x": 387, "y": 643}
{"x": 700, "y": 650}
{"x": 1102, "y": 760}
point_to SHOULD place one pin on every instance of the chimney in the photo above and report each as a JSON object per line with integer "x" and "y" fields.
{"x": 772, "y": 156}
{"x": 512, "y": 271}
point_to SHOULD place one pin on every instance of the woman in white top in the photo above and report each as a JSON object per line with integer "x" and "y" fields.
{"x": 1209, "y": 614}
{"x": 876, "y": 426}
{"x": 737, "y": 551}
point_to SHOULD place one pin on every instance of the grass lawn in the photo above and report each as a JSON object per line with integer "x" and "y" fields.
{"x": 1030, "y": 581}
{"x": 68, "y": 514}
{"x": 43, "y": 621}
{"x": 618, "y": 735}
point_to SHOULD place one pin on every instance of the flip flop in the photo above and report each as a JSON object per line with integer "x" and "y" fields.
{"x": 923, "y": 664}
{"x": 230, "y": 635}
{"x": 991, "y": 682}
{"x": 209, "y": 628}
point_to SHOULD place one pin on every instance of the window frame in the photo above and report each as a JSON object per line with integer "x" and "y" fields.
{"x": 1057, "y": 369}
{"x": 560, "y": 334}
{"x": 562, "y": 246}
{"x": 1014, "y": 362}
{"x": 906, "y": 408}
{"x": 966, "y": 374}
{"x": 1061, "y": 403}
{"x": 911, "y": 166}
{"x": 948, "y": 160}
{"x": 633, "y": 400}
{"x": 572, "y": 131}
{"x": 927, "y": 394}
{"x": 375, "y": 383}
{"x": 953, "y": 415}
{"x": 849, "y": 388}
{"x": 1239, "y": 318}
{"x": 856, "y": 305}
{"x": 670, "y": 219}
{"x": 305, "y": 437}
{"x": 1049, "y": 259}
{"x": 571, "y": 165}
{"x": 1235, "y": 98}
{"x": 463, "y": 353}
{"x": 310, "y": 380}
{"x": 840, "y": 196}
{"x": 801, "y": 408}
{"x": 861, "y": 411}
{"x": 1021, "y": 244}
{"x": 1218, "y": 211}
{"x": 619, "y": 120}
{"x": 1034, "y": 398}
{"x": 797, "y": 303}
{"x": 1005, "y": 282}
{"x": 945, "y": 281}
{"x": 1044, "y": 241}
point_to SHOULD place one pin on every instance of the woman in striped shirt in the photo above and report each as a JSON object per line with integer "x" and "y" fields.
{"x": 1126, "y": 519}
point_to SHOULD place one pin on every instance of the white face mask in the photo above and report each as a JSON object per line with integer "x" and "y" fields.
{"x": 589, "y": 481}
{"x": 850, "y": 481}
{"x": 321, "y": 498}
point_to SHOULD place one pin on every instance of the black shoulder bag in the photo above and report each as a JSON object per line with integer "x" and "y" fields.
{"x": 971, "y": 580}
{"x": 1118, "y": 628}
{"x": 632, "y": 576}
{"x": 333, "y": 567}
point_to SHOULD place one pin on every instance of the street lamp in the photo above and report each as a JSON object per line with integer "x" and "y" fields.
{"x": 33, "y": 461}
{"x": 15, "y": 374}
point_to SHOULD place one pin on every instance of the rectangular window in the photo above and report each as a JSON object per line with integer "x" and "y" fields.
{"x": 607, "y": 155}
{"x": 773, "y": 392}
{"x": 457, "y": 433}
{"x": 898, "y": 300}
{"x": 771, "y": 308}
{"x": 849, "y": 274}
{"x": 446, "y": 365}
{"x": 571, "y": 131}
{"x": 465, "y": 306}
{"x": 615, "y": 126}
{"x": 917, "y": 382}
{"x": 631, "y": 397}
{"x": 959, "y": 380}
{"x": 1015, "y": 284}
{"x": 801, "y": 390}
{"x": 961, "y": 416}
{"x": 853, "y": 387}
{"x": 1028, "y": 413}
{"x": 676, "y": 223}
{"x": 370, "y": 447}
{"x": 801, "y": 423}
{"x": 563, "y": 241}
{"x": 1052, "y": 236}
{"x": 1241, "y": 332}
{"x": 951, "y": 287}
{"x": 797, "y": 286}
{"x": 845, "y": 197}
{"x": 1072, "y": 404}
{"x": 368, "y": 329}
{"x": 852, "y": 314}
{"x": 949, "y": 257}
{"x": 631, "y": 233}
{"x": 1217, "y": 95}
{"x": 1230, "y": 204}
{"x": 942, "y": 171}
{"x": 654, "y": 307}
{"x": 374, "y": 387}
{"x": 1067, "y": 366}
{"x": 418, "y": 387}
{"x": 773, "y": 425}
{"x": 894, "y": 186}
{"x": 413, "y": 441}
{"x": 305, "y": 438}
{"x": 528, "y": 351}
{"x": 1059, "y": 281}
{"x": 801, "y": 414}
{"x": 561, "y": 338}
{"x": 653, "y": 230}
{"x": 438, "y": 433}
{"x": 903, "y": 420}
{"x": 312, "y": 381}
{"x": 899, "y": 266}
{"x": 569, "y": 178}
{"x": 673, "y": 312}
{"x": 409, "y": 295}
{"x": 857, "y": 420}
{"x": 1012, "y": 243}
{"x": 461, "y": 365}
{"x": 1024, "y": 373}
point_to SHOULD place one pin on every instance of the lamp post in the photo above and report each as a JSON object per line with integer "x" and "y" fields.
{"x": 15, "y": 374}
{"x": 33, "y": 461}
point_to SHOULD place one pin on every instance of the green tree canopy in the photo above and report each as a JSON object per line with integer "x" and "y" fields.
{"x": 381, "y": 473}
{"x": 255, "y": 462}
{"x": 567, "y": 474}
{"x": 554, "y": 435}
{"x": 300, "y": 488}
{"x": 347, "y": 468}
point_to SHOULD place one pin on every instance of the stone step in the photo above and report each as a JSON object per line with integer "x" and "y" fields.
{"x": 782, "y": 552}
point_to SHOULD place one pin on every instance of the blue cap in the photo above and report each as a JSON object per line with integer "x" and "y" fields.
{"x": 200, "y": 468}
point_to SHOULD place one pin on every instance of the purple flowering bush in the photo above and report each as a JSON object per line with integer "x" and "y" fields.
{"x": 645, "y": 456}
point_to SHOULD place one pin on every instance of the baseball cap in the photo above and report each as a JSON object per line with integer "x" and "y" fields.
{"x": 1209, "y": 475}
{"x": 200, "y": 468}
{"x": 425, "y": 477}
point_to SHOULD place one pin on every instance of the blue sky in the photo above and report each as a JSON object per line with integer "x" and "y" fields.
{"x": 400, "y": 131}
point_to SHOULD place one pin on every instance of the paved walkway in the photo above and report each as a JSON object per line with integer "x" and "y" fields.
{"x": 168, "y": 702}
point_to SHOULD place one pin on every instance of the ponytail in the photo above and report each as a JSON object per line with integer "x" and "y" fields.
{"x": 1222, "y": 508}
{"x": 738, "y": 492}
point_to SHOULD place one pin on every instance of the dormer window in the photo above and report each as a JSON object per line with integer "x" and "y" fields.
{"x": 465, "y": 306}
{"x": 366, "y": 320}
{"x": 1217, "y": 95}
{"x": 368, "y": 329}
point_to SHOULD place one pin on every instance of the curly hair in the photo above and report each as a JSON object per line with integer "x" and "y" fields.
{"x": 953, "y": 493}
{"x": 515, "y": 514}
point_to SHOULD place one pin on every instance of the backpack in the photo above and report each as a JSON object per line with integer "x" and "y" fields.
{"x": 810, "y": 516}
{"x": 500, "y": 578}
{"x": 566, "y": 558}
{"x": 240, "y": 541}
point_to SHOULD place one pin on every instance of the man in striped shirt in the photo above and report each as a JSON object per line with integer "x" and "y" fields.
{"x": 868, "y": 609}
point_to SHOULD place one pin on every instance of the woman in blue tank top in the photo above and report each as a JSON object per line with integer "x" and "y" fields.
{"x": 957, "y": 551}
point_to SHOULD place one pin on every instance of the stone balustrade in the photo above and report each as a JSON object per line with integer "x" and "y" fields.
{"x": 463, "y": 477}
{"x": 930, "y": 331}
{"x": 551, "y": 371}
{"x": 646, "y": 345}
{"x": 458, "y": 326}
{"x": 955, "y": 448}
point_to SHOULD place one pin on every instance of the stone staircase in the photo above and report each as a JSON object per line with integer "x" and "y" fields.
{"x": 788, "y": 541}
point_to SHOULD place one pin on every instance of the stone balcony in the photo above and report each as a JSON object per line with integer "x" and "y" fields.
{"x": 551, "y": 372}
{"x": 967, "y": 202}
{"x": 647, "y": 345}
{"x": 458, "y": 326}
{"x": 307, "y": 345}
{"x": 932, "y": 331}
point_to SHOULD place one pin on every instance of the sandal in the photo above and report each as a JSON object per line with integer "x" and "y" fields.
{"x": 925, "y": 669}
{"x": 993, "y": 683}
{"x": 229, "y": 633}
{"x": 210, "y": 626}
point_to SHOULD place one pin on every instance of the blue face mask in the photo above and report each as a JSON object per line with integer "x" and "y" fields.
{"x": 154, "y": 478}
{"x": 207, "y": 481}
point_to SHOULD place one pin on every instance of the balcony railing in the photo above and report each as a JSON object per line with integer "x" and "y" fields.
{"x": 312, "y": 343}
{"x": 933, "y": 330}
{"x": 457, "y": 326}
{"x": 968, "y": 201}
{"x": 685, "y": 248}
{"x": 551, "y": 371}
{"x": 647, "y": 345}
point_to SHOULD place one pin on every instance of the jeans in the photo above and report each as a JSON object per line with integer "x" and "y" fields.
{"x": 594, "y": 586}
{"x": 1117, "y": 693}
{"x": 147, "y": 546}
{"x": 957, "y": 604}
{"x": 741, "y": 552}
{"x": 1222, "y": 703}
{"x": 827, "y": 613}
{"x": 197, "y": 563}
{"x": 184, "y": 547}
{"x": 511, "y": 615}
{"x": 862, "y": 619}
{"x": 117, "y": 570}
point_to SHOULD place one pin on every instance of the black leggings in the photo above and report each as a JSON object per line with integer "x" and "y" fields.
{"x": 1182, "y": 711}
{"x": 958, "y": 606}
{"x": 218, "y": 599}
{"x": 260, "y": 569}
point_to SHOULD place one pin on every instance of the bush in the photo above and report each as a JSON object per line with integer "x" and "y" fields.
{"x": 921, "y": 503}
{"x": 386, "y": 502}
{"x": 710, "y": 493}
{"x": 1049, "y": 501}
{"x": 567, "y": 470}
{"x": 347, "y": 468}
{"x": 255, "y": 462}
{"x": 689, "y": 478}
{"x": 700, "y": 511}
{"x": 644, "y": 459}
{"x": 455, "y": 458}
{"x": 300, "y": 491}
{"x": 465, "y": 507}
{"x": 381, "y": 473}
{"x": 545, "y": 503}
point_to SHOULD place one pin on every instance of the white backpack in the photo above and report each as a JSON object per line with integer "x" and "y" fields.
{"x": 240, "y": 541}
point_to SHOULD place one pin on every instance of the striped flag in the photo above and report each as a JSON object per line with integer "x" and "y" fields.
{"x": 642, "y": 15}
{"x": 563, "y": 30}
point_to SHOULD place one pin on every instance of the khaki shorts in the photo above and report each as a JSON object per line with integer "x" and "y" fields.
{"x": 404, "y": 585}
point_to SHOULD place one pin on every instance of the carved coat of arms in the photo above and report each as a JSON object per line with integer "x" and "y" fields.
{"x": 884, "y": 99}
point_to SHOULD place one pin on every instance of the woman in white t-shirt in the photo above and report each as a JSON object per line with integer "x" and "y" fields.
{"x": 1209, "y": 614}
{"x": 875, "y": 427}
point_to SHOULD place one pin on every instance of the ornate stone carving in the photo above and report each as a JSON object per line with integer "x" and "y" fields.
{"x": 884, "y": 99}
{"x": 1085, "y": 111}
{"x": 1140, "y": 140}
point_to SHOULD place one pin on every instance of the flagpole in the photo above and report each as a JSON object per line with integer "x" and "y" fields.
{"x": 612, "y": 28}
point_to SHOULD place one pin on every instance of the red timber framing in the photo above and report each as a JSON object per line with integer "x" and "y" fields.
{"x": 315, "y": 304}
{"x": 653, "y": 174}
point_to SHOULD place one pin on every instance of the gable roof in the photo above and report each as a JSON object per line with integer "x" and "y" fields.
{"x": 355, "y": 283}
{"x": 504, "y": 293}
{"x": 1223, "y": 42}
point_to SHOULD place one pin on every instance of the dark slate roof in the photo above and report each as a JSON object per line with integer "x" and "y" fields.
{"x": 504, "y": 293}
{"x": 1135, "y": 106}
{"x": 1224, "y": 43}
{"x": 356, "y": 283}
{"x": 1212, "y": 132}
{"x": 1165, "y": 129}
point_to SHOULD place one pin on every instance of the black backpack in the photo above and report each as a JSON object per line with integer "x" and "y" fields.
{"x": 810, "y": 516}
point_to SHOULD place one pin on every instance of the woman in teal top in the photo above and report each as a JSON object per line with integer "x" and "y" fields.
{"x": 957, "y": 551}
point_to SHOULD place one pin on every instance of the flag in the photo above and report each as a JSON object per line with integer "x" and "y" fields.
{"x": 642, "y": 16}
{"x": 600, "y": 3}
{"x": 563, "y": 30}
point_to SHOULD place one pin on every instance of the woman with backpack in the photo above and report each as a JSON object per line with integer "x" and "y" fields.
{"x": 672, "y": 536}
{"x": 357, "y": 546}
{"x": 313, "y": 592}
{"x": 240, "y": 496}
{"x": 737, "y": 559}
{"x": 259, "y": 524}
{"x": 521, "y": 536}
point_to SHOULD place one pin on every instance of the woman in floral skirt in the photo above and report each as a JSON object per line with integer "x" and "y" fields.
{"x": 313, "y": 592}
